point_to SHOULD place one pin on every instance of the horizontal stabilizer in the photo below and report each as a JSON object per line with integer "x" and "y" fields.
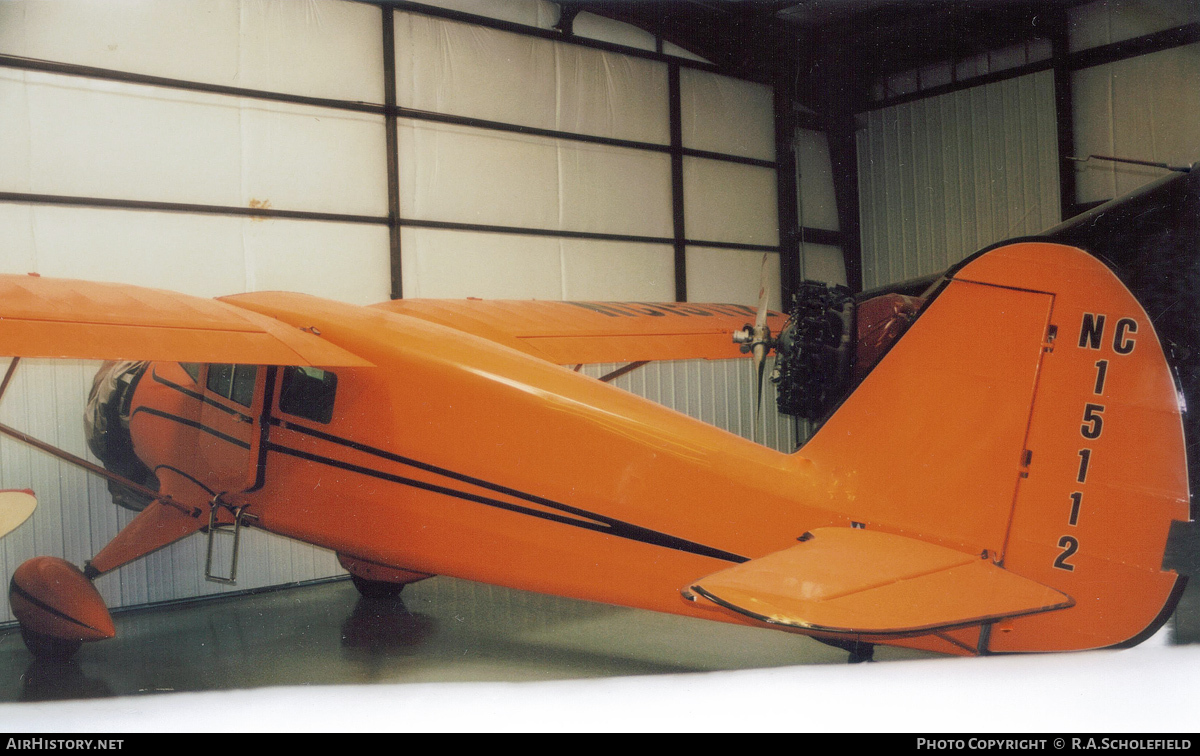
{"x": 47, "y": 317}
{"x": 851, "y": 581}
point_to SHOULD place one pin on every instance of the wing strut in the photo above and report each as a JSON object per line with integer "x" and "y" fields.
{"x": 623, "y": 370}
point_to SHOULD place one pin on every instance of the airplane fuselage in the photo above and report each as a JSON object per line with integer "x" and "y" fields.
{"x": 457, "y": 456}
{"x": 1005, "y": 428}
{"x": 1011, "y": 475}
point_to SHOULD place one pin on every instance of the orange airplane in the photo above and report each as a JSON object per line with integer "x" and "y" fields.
{"x": 1006, "y": 474}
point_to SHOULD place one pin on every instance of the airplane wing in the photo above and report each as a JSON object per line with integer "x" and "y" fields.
{"x": 861, "y": 582}
{"x": 46, "y": 317}
{"x": 589, "y": 332}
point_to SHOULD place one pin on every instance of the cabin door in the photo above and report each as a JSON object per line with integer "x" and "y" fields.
{"x": 231, "y": 426}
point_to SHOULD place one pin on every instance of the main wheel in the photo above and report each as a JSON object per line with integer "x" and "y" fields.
{"x": 48, "y": 647}
{"x": 376, "y": 589}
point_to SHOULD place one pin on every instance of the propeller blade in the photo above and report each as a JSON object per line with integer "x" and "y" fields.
{"x": 759, "y": 342}
{"x": 760, "y": 363}
{"x": 760, "y": 321}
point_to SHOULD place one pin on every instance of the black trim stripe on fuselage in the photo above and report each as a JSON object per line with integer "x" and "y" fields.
{"x": 183, "y": 474}
{"x": 461, "y": 477}
{"x": 570, "y": 515}
{"x": 241, "y": 416}
{"x": 595, "y": 522}
{"x": 192, "y": 424}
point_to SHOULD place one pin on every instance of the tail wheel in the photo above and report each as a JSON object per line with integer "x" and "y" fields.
{"x": 375, "y": 580}
{"x": 48, "y": 647}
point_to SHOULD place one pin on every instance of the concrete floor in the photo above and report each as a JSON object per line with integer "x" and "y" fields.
{"x": 442, "y": 630}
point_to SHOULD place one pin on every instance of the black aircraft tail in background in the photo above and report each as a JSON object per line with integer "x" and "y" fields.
{"x": 1151, "y": 239}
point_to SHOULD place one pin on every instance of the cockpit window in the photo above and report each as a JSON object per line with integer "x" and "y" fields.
{"x": 308, "y": 392}
{"x": 192, "y": 369}
{"x": 234, "y": 382}
{"x": 220, "y": 378}
{"x": 243, "y": 384}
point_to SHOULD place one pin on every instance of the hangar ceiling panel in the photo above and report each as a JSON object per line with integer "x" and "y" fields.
{"x": 86, "y": 137}
{"x": 823, "y": 262}
{"x": 456, "y": 264}
{"x": 537, "y": 13}
{"x": 721, "y": 114}
{"x": 455, "y": 173}
{"x": 819, "y": 205}
{"x": 591, "y": 26}
{"x": 468, "y": 70}
{"x": 97, "y": 138}
{"x": 348, "y": 262}
{"x": 296, "y": 157}
{"x": 209, "y": 255}
{"x": 319, "y": 48}
{"x": 126, "y": 246}
{"x": 609, "y": 270}
{"x": 729, "y": 202}
{"x": 731, "y": 275}
{"x": 611, "y": 95}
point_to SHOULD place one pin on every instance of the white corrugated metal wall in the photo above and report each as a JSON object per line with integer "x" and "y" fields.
{"x": 942, "y": 176}
{"x": 64, "y": 135}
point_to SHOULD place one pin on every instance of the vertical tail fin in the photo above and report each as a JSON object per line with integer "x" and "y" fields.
{"x": 1029, "y": 416}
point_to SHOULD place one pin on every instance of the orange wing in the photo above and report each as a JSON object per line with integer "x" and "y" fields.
{"x": 589, "y": 332}
{"x": 46, "y": 317}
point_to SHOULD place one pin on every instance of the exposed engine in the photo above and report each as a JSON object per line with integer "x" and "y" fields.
{"x": 106, "y": 428}
{"x": 812, "y": 369}
{"x": 830, "y": 343}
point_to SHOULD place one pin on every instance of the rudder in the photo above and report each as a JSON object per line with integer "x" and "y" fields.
{"x": 1107, "y": 473}
{"x": 1029, "y": 417}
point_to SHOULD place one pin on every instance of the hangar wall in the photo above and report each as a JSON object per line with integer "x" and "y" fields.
{"x": 219, "y": 146}
{"x": 942, "y": 177}
{"x": 955, "y": 157}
